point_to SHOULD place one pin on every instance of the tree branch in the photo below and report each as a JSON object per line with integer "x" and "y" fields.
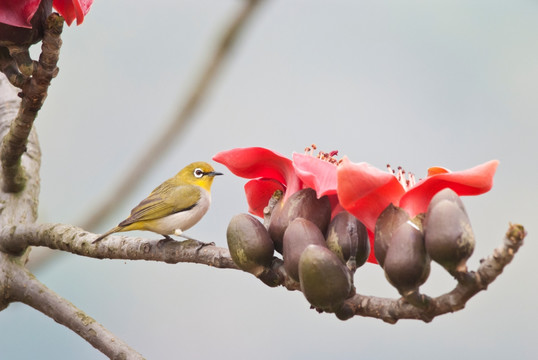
{"x": 34, "y": 92}
{"x": 18, "y": 284}
{"x": 75, "y": 240}
{"x": 197, "y": 94}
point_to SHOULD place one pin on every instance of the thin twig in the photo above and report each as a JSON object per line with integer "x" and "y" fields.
{"x": 34, "y": 92}
{"x": 17, "y": 284}
{"x": 185, "y": 115}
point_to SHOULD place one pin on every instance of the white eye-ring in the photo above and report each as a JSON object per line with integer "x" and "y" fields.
{"x": 198, "y": 172}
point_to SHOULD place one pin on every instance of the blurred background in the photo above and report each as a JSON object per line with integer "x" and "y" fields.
{"x": 414, "y": 83}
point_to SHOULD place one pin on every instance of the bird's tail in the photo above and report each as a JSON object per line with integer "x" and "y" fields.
{"x": 113, "y": 230}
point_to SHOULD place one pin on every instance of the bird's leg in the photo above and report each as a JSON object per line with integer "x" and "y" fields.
{"x": 165, "y": 240}
{"x": 201, "y": 244}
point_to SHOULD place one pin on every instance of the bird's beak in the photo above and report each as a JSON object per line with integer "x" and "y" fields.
{"x": 213, "y": 173}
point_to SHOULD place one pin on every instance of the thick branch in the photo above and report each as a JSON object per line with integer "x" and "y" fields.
{"x": 197, "y": 94}
{"x": 34, "y": 93}
{"x": 18, "y": 284}
{"x": 77, "y": 241}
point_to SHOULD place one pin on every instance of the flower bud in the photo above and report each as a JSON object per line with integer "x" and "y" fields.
{"x": 299, "y": 234}
{"x": 389, "y": 220}
{"x": 407, "y": 265}
{"x": 250, "y": 246}
{"x": 348, "y": 239}
{"x": 325, "y": 280}
{"x": 448, "y": 234}
{"x": 302, "y": 204}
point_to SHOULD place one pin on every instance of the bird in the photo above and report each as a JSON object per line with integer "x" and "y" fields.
{"x": 174, "y": 206}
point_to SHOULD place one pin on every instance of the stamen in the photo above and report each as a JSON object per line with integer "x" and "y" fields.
{"x": 407, "y": 180}
{"x": 330, "y": 157}
{"x": 412, "y": 180}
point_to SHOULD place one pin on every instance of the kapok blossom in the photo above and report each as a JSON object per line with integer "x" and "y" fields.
{"x": 19, "y": 13}
{"x": 365, "y": 191}
{"x": 271, "y": 171}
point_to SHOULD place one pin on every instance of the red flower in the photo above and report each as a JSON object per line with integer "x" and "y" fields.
{"x": 72, "y": 9}
{"x": 271, "y": 171}
{"x": 366, "y": 191}
{"x": 19, "y": 12}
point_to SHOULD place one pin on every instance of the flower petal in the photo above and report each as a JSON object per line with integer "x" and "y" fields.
{"x": 259, "y": 192}
{"x": 18, "y": 12}
{"x": 474, "y": 181}
{"x": 316, "y": 174}
{"x": 366, "y": 191}
{"x": 257, "y": 163}
{"x": 72, "y": 9}
{"x": 435, "y": 170}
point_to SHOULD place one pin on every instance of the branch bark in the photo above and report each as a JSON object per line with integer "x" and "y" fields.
{"x": 16, "y": 239}
{"x": 197, "y": 94}
{"x": 34, "y": 93}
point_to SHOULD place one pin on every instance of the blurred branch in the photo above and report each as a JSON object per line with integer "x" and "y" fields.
{"x": 18, "y": 285}
{"x": 34, "y": 92}
{"x": 193, "y": 101}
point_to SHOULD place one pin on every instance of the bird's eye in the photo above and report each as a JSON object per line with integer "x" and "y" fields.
{"x": 198, "y": 173}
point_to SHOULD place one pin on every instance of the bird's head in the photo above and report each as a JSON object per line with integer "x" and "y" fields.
{"x": 198, "y": 173}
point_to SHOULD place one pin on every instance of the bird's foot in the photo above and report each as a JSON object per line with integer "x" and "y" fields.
{"x": 165, "y": 240}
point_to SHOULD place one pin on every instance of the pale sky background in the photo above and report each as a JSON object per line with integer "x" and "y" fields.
{"x": 411, "y": 83}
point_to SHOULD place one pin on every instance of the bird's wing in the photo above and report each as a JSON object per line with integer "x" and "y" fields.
{"x": 163, "y": 201}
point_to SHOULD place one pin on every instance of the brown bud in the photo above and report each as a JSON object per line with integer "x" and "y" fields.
{"x": 407, "y": 265}
{"x": 250, "y": 246}
{"x": 299, "y": 234}
{"x": 447, "y": 194}
{"x": 448, "y": 234}
{"x": 302, "y": 204}
{"x": 348, "y": 239}
{"x": 389, "y": 220}
{"x": 325, "y": 280}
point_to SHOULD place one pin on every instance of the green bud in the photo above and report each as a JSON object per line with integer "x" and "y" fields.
{"x": 299, "y": 234}
{"x": 250, "y": 246}
{"x": 302, "y": 204}
{"x": 325, "y": 280}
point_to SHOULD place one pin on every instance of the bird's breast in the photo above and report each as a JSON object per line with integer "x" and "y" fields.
{"x": 181, "y": 220}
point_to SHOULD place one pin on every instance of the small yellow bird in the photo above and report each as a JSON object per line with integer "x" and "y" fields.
{"x": 174, "y": 206}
